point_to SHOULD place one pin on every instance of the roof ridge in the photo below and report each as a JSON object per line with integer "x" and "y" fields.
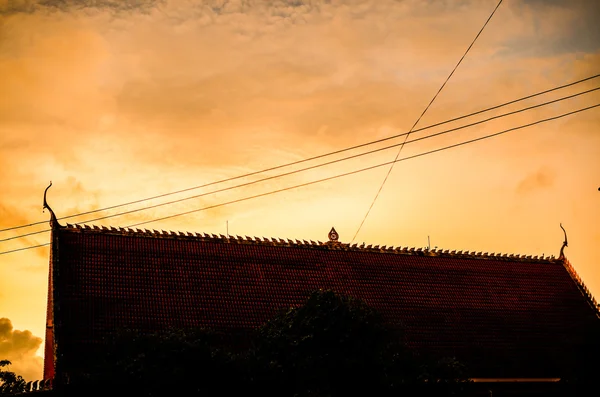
{"x": 420, "y": 251}
{"x": 581, "y": 285}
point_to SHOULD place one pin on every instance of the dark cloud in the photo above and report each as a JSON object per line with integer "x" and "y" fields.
{"x": 20, "y": 348}
{"x": 8, "y": 7}
{"x": 281, "y": 8}
{"x": 558, "y": 3}
{"x": 577, "y": 20}
{"x": 542, "y": 179}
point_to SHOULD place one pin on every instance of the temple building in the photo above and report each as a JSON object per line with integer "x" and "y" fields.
{"x": 504, "y": 316}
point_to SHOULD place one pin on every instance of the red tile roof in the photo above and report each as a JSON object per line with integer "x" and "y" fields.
{"x": 503, "y": 315}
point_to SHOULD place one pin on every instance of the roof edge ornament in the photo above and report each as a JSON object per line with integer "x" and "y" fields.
{"x": 565, "y": 243}
{"x": 53, "y": 221}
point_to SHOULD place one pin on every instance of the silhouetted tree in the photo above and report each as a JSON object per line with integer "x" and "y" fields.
{"x": 331, "y": 345}
{"x": 9, "y": 381}
{"x": 189, "y": 361}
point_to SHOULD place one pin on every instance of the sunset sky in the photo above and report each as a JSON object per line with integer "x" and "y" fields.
{"x": 118, "y": 101}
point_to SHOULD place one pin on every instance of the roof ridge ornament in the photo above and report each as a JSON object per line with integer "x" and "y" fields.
{"x": 53, "y": 221}
{"x": 333, "y": 235}
{"x": 565, "y": 243}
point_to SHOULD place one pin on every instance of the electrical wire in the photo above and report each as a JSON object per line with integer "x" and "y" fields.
{"x": 309, "y": 158}
{"x": 346, "y": 173}
{"x": 369, "y": 168}
{"x": 319, "y": 165}
{"x": 419, "y": 119}
{"x": 23, "y": 249}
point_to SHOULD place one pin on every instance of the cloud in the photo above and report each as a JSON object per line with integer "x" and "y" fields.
{"x": 571, "y": 25}
{"x": 11, "y": 7}
{"x": 20, "y": 348}
{"x": 10, "y": 216}
{"x": 194, "y": 90}
{"x": 542, "y": 179}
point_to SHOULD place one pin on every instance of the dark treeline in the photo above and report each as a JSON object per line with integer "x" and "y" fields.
{"x": 332, "y": 345}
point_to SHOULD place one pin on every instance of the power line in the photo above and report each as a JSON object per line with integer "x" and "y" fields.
{"x": 419, "y": 119}
{"x": 369, "y": 168}
{"x": 320, "y": 165}
{"x": 310, "y": 158}
{"x": 23, "y": 249}
{"x": 347, "y": 173}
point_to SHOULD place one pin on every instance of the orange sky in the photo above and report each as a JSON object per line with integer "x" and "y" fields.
{"x": 118, "y": 103}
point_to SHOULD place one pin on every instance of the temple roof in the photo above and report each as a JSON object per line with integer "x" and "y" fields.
{"x": 503, "y": 315}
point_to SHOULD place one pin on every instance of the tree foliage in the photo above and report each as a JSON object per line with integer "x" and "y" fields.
{"x": 332, "y": 345}
{"x": 160, "y": 363}
{"x": 9, "y": 381}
